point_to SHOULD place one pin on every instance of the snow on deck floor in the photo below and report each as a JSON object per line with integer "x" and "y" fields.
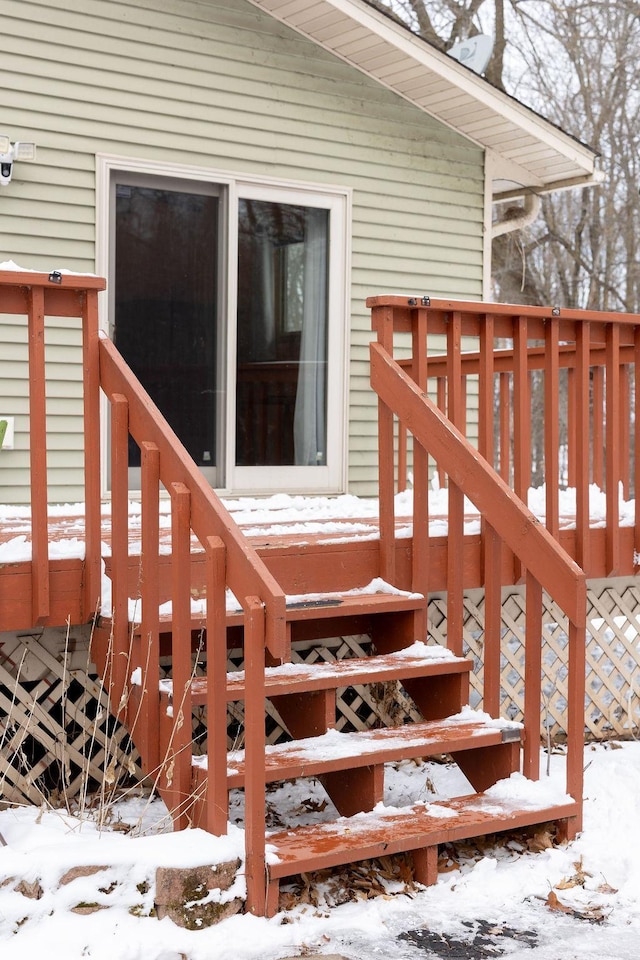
{"x": 345, "y": 516}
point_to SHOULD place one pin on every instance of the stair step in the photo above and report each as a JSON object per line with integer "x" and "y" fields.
{"x": 418, "y": 660}
{"x": 396, "y": 830}
{"x": 318, "y": 756}
{"x": 308, "y": 607}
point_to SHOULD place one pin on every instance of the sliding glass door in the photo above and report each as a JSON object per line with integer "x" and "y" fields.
{"x": 228, "y": 302}
{"x": 281, "y": 387}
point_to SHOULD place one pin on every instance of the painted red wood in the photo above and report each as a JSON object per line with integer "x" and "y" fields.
{"x": 612, "y": 441}
{"x": 147, "y": 642}
{"x": 121, "y": 651}
{"x": 552, "y": 423}
{"x": 179, "y": 790}
{"x": 92, "y": 586}
{"x": 255, "y": 803}
{"x": 216, "y": 699}
{"x": 38, "y": 456}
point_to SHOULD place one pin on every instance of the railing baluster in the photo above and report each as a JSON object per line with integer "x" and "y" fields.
{"x": 119, "y": 551}
{"x": 455, "y": 408}
{"x": 217, "y": 794}
{"x": 505, "y": 427}
{"x": 180, "y": 791}
{"x": 552, "y": 423}
{"x": 575, "y": 714}
{"x": 521, "y": 411}
{"x": 492, "y": 568}
{"x": 441, "y": 400}
{"x": 38, "y": 459}
{"x": 149, "y": 647}
{"x": 532, "y": 678}
{"x": 254, "y": 707}
{"x": 571, "y": 427}
{"x": 624, "y": 422}
{"x": 455, "y": 570}
{"x": 581, "y": 442}
{"x": 612, "y": 429}
{"x": 597, "y": 430}
{"x": 486, "y": 390}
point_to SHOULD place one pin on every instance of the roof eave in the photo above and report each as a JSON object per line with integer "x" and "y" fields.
{"x": 547, "y": 158}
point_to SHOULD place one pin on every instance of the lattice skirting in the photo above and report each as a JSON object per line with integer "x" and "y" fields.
{"x": 612, "y": 699}
{"x": 57, "y": 736}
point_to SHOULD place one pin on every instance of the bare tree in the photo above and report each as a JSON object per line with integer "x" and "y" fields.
{"x": 578, "y": 63}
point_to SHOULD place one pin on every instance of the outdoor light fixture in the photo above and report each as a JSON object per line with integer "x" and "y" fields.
{"x": 20, "y": 150}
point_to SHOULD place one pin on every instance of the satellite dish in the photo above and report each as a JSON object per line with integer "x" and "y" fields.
{"x": 474, "y": 53}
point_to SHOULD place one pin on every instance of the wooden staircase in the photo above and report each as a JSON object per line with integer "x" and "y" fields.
{"x": 350, "y": 766}
{"x": 308, "y": 596}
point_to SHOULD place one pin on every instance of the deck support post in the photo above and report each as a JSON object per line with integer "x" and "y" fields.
{"x": 425, "y": 865}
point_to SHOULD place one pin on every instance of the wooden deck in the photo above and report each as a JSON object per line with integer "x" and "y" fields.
{"x": 465, "y": 418}
{"x": 353, "y": 547}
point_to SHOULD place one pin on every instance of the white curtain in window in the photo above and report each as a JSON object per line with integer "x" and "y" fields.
{"x": 310, "y": 428}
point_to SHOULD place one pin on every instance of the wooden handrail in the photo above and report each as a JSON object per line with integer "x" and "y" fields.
{"x": 246, "y": 573}
{"x": 516, "y": 525}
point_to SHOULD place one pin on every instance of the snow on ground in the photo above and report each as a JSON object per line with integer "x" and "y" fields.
{"x": 559, "y": 903}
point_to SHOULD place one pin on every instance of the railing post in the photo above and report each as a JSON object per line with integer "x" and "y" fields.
{"x": 383, "y": 323}
{"x": 254, "y": 707}
{"x": 92, "y": 480}
{"x": 421, "y": 539}
{"x": 38, "y": 458}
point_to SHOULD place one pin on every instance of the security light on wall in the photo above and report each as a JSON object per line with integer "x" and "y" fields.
{"x": 10, "y": 152}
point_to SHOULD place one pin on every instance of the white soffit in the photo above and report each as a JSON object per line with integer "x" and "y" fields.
{"x": 527, "y": 150}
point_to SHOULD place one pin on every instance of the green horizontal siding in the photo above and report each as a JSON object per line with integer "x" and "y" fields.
{"x": 224, "y": 86}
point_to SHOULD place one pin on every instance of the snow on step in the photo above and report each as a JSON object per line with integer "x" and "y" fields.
{"x": 510, "y": 804}
{"x": 334, "y": 750}
{"x": 419, "y": 659}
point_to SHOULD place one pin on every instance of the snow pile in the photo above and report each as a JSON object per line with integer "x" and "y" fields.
{"x": 580, "y": 900}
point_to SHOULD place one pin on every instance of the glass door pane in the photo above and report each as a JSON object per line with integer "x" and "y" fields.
{"x": 281, "y": 385}
{"x": 166, "y": 296}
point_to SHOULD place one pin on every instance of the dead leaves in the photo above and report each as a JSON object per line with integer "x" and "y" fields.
{"x": 594, "y": 913}
{"x": 577, "y": 880}
{"x": 384, "y": 876}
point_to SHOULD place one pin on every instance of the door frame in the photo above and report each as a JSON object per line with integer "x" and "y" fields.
{"x": 252, "y": 480}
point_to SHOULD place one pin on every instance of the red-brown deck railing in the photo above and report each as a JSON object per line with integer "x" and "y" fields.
{"x": 507, "y": 370}
{"x": 35, "y": 296}
{"x": 508, "y": 524}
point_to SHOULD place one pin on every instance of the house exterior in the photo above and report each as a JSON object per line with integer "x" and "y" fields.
{"x": 245, "y": 174}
